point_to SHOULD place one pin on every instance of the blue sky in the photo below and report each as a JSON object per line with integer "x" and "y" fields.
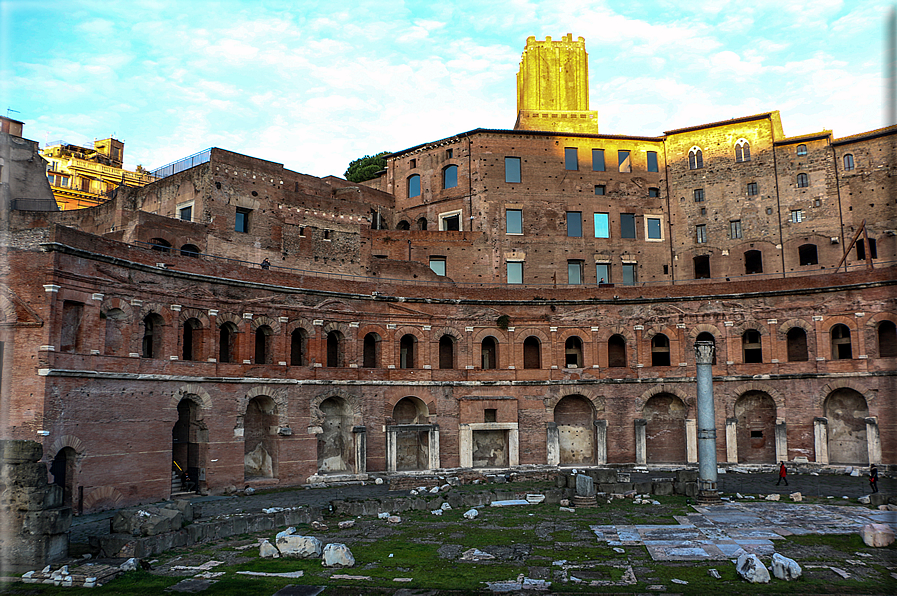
{"x": 314, "y": 85}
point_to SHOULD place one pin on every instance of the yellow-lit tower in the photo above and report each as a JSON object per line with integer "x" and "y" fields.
{"x": 553, "y": 87}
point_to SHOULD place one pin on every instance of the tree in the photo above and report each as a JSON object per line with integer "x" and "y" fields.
{"x": 365, "y": 168}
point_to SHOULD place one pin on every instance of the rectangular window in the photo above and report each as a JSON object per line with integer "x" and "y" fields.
{"x": 701, "y": 233}
{"x": 513, "y": 221}
{"x": 603, "y": 272}
{"x": 597, "y": 160}
{"x": 652, "y": 226}
{"x": 600, "y": 189}
{"x": 412, "y": 164}
{"x": 627, "y": 225}
{"x": 653, "y": 192}
{"x": 629, "y": 274}
{"x": 512, "y": 170}
{"x": 699, "y": 195}
{"x": 574, "y": 272}
{"x": 703, "y": 211}
{"x": 571, "y": 158}
{"x": 450, "y": 221}
{"x": 327, "y": 235}
{"x": 602, "y": 225}
{"x": 735, "y": 229}
{"x": 752, "y": 189}
{"x": 652, "y": 161}
{"x": 449, "y": 153}
{"x": 186, "y": 213}
{"x": 797, "y": 215}
{"x": 574, "y": 224}
{"x": 241, "y": 224}
{"x": 623, "y": 160}
{"x": 437, "y": 264}
{"x": 515, "y": 272}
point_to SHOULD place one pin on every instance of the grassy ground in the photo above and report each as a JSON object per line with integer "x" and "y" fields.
{"x": 539, "y": 542}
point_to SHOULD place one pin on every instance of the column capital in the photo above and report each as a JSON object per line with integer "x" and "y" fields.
{"x": 704, "y": 352}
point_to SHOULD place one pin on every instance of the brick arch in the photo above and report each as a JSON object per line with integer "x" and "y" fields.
{"x": 440, "y": 331}
{"x": 336, "y": 326}
{"x": 192, "y": 391}
{"x": 522, "y": 334}
{"x": 497, "y": 333}
{"x": 739, "y": 329}
{"x": 641, "y": 400}
{"x": 229, "y": 317}
{"x": 265, "y": 320}
{"x": 582, "y": 333}
{"x": 195, "y": 313}
{"x": 836, "y": 384}
{"x": 61, "y": 443}
{"x": 850, "y": 322}
{"x": 301, "y": 323}
{"x": 316, "y": 416}
{"x": 650, "y": 332}
{"x": 278, "y": 396}
{"x": 389, "y": 404}
{"x": 606, "y": 333}
{"x": 106, "y": 497}
{"x": 732, "y": 396}
{"x": 400, "y": 332}
{"x": 704, "y": 328}
{"x": 155, "y": 308}
{"x": 873, "y": 321}
{"x": 116, "y": 302}
{"x": 871, "y": 331}
{"x": 597, "y": 400}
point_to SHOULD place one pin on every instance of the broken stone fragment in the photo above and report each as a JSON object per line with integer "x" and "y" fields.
{"x": 129, "y": 565}
{"x": 346, "y": 524}
{"x": 378, "y": 481}
{"x": 394, "y": 519}
{"x": 471, "y": 514}
{"x": 714, "y": 573}
{"x": 436, "y": 512}
{"x": 475, "y": 554}
{"x": 320, "y": 526}
{"x": 877, "y": 535}
{"x": 302, "y": 547}
{"x": 864, "y": 500}
{"x": 287, "y": 532}
{"x": 337, "y": 555}
{"x": 268, "y": 551}
{"x": 796, "y": 497}
{"x": 785, "y": 568}
{"x": 383, "y": 515}
{"x": 772, "y": 497}
{"x": 751, "y": 569}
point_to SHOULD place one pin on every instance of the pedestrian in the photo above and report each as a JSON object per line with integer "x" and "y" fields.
{"x": 873, "y": 478}
{"x": 783, "y": 474}
{"x": 266, "y": 264}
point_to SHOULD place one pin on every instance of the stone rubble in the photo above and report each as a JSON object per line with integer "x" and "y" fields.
{"x": 471, "y": 514}
{"x": 751, "y": 569}
{"x": 301, "y": 547}
{"x": 877, "y": 535}
{"x": 784, "y": 568}
{"x": 337, "y": 555}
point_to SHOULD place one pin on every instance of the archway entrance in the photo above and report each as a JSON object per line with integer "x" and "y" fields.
{"x": 412, "y": 434}
{"x": 665, "y": 429}
{"x": 846, "y": 411}
{"x": 189, "y": 442}
{"x": 260, "y": 426}
{"x": 63, "y": 471}
{"x": 574, "y": 417}
{"x": 755, "y": 413}
{"x": 335, "y": 445}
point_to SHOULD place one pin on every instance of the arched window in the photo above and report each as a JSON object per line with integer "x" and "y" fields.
{"x": 406, "y": 351}
{"x": 489, "y": 353}
{"x": 371, "y": 355}
{"x": 707, "y": 336}
{"x": 807, "y": 254}
{"x": 752, "y": 349}
{"x": 299, "y": 347}
{"x": 702, "y": 267}
{"x": 803, "y": 181}
{"x": 695, "y": 158}
{"x": 840, "y": 336}
{"x": 413, "y": 186}
{"x": 189, "y": 250}
{"x": 753, "y": 262}
{"x": 422, "y": 224}
{"x": 573, "y": 352}
{"x": 660, "y": 350}
{"x": 616, "y": 351}
{"x": 446, "y": 351}
{"x": 152, "y": 336}
{"x": 742, "y": 151}
{"x": 191, "y": 340}
{"x": 887, "y": 339}
{"x": 161, "y": 245}
{"x": 227, "y": 338}
{"x": 334, "y": 349}
{"x": 403, "y": 225}
{"x": 801, "y": 149}
{"x": 263, "y": 336}
{"x": 797, "y": 345}
{"x": 848, "y": 162}
{"x": 532, "y": 352}
{"x": 450, "y": 177}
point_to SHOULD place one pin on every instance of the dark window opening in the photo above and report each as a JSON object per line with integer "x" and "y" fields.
{"x": 848, "y": 162}
{"x": 263, "y": 339}
{"x": 489, "y": 353}
{"x": 72, "y": 314}
{"x": 573, "y": 352}
{"x": 841, "y": 348}
{"x": 887, "y": 339}
{"x": 861, "y": 249}
{"x": 334, "y": 349}
{"x": 756, "y": 434}
{"x": 616, "y": 351}
{"x": 532, "y": 352}
{"x": 422, "y": 224}
{"x": 753, "y": 262}
{"x": 161, "y": 245}
{"x": 702, "y": 267}
{"x": 152, "y": 336}
{"x": 652, "y": 161}
{"x": 371, "y": 351}
{"x": 227, "y": 336}
{"x": 807, "y": 254}
{"x": 627, "y": 225}
{"x": 241, "y": 221}
{"x": 191, "y": 339}
{"x": 407, "y": 351}
{"x": 571, "y": 158}
{"x": 598, "y": 160}
{"x": 189, "y": 250}
{"x": 490, "y": 415}
{"x": 451, "y": 223}
{"x": 403, "y": 225}
{"x": 446, "y": 352}
{"x": 660, "y": 350}
{"x": 797, "y": 345}
{"x": 695, "y": 159}
{"x": 751, "y": 347}
{"x": 299, "y": 347}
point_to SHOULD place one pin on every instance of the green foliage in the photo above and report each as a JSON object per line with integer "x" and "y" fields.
{"x": 365, "y": 168}
{"x": 503, "y": 322}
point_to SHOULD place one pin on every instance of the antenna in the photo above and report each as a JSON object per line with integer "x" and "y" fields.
{"x": 8, "y": 110}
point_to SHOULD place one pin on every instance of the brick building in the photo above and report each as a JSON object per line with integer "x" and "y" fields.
{"x": 452, "y": 314}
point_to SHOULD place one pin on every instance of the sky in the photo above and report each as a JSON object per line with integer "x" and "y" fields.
{"x": 314, "y": 85}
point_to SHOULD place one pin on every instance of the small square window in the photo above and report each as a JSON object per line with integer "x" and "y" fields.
{"x": 437, "y": 264}
{"x": 653, "y": 228}
{"x": 241, "y": 224}
{"x": 450, "y": 222}
{"x": 571, "y": 158}
{"x": 600, "y": 189}
{"x": 653, "y": 192}
{"x": 623, "y": 160}
{"x": 699, "y": 195}
{"x": 735, "y": 229}
{"x": 597, "y": 160}
{"x": 769, "y": 211}
{"x": 574, "y": 224}
{"x": 489, "y": 414}
{"x": 652, "y": 161}
{"x": 801, "y": 149}
{"x": 752, "y": 189}
{"x": 513, "y": 221}
{"x": 701, "y": 233}
{"x": 602, "y": 225}
{"x": 449, "y": 153}
{"x": 515, "y": 272}
{"x": 512, "y": 170}
{"x": 302, "y": 231}
{"x": 797, "y": 215}
{"x": 703, "y": 210}
{"x": 412, "y": 164}
{"x": 327, "y": 235}
{"x": 186, "y": 213}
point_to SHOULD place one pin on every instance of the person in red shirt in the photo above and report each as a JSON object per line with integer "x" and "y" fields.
{"x": 783, "y": 474}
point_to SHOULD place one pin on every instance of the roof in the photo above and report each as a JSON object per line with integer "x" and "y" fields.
{"x": 762, "y": 116}
{"x": 813, "y": 136}
{"x": 878, "y": 132}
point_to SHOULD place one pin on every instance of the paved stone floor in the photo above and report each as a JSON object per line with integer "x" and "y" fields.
{"x": 725, "y": 531}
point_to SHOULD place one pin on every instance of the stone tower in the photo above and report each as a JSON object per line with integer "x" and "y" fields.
{"x": 553, "y": 87}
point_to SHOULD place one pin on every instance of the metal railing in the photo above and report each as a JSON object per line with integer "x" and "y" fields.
{"x": 182, "y": 164}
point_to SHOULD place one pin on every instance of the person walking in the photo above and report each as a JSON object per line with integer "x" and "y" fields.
{"x": 783, "y": 474}
{"x": 873, "y": 478}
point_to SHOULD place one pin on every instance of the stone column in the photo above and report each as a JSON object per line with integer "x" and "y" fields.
{"x": 601, "y": 442}
{"x": 691, "y": 442}
{"x": 820, "y": 439}
{"x": 873, "y": 440}
{"x": 361, "y": 449}
{"x": 465, "y": 445}
{"x": 434, "y": 462}
{"x": 781, "y": 440}
{"x": 552, "y": 444}
{"x": 732, "y": 440}
{"x": 513, "y": 447}
{"x": 390, "y": 449}
{"x": 707, "y": 491}
{"x": 641, "y": 442}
